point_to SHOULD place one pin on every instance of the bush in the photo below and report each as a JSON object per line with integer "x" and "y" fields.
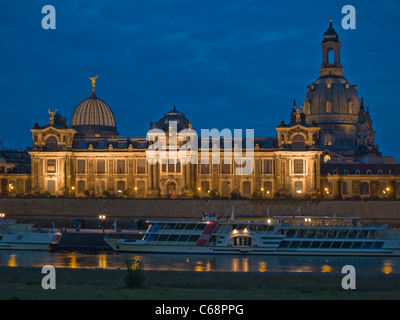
{"x": 135, "y": 276}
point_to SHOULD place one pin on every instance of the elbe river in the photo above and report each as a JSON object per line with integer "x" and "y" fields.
{"x": 200, "y": 263}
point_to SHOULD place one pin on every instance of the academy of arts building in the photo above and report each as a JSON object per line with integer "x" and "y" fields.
{"x": 326, "y": 149}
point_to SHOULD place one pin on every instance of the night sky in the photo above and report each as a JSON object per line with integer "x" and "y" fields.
{"x": 225, "y": 64}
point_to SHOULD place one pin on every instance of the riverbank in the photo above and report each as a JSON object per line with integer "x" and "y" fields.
{"x": 24, "y": 283}
{"x": 64, "y": 211}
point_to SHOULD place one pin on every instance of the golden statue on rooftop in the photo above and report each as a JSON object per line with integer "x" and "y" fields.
{"x": 52, "y": 113}
{"x": 93, "y": 81}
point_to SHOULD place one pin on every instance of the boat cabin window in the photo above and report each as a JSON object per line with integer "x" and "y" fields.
{"x": 170, "y": 226}
{"x": 163, "y": 237}
{"x": 183, "y": 237}
{"x": 194, "y": 238}
{"x": 173, "y": 237}
{"x": 200, "y": 226}
{"x": 190, "y": 226}
{"x": 180, "y": 226}
{"x": 242, "y": 241}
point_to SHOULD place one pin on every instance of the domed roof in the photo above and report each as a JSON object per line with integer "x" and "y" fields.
{"x": 173, "y": 115}
{"x": 93, "y": 117}
{"x": 331, "y": 100}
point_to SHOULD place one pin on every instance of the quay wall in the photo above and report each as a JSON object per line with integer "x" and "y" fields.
{"x": 44, "y": 211}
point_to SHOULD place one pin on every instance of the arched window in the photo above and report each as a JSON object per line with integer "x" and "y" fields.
{"x": 51, "y": 186}
{"x": 350, "y": 104}
{"x": 328, "y": 107}
{"x": 51, "y": 143}
{"x": 298, "y": 187}
{"x": 298, "y": 143}
{"x": 328, "y": 140}
{"x": 205, "y": 186}
{"x": 364, "y": 188}
{"x": 331, "y": 56}
{"x": 327, "y": 158}
{"x": 226, "y": 190}
{"x": 268, "y": 188}
{"x": 141, "y": 187}
{"x": 247, "y": 188}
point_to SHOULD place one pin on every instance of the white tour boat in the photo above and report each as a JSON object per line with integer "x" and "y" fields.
{"x": 287, "y": 235}
{"x": 21, "y": 236}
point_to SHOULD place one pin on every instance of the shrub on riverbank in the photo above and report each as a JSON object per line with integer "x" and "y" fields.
{"x": 135, "y": 277}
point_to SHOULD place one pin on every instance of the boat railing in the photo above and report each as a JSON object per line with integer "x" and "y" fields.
{"x": 333, "y": 226}
{"x": 7, "y": 221}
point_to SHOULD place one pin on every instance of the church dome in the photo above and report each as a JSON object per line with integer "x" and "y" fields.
{"x": 94, "y": 118}
{"x": 173, "y": 115}
{"x": 331, "y": 99}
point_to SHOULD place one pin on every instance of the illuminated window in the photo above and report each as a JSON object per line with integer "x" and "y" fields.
{"x": 328, "y": 140}
{"x": 121, "y": 187}
{"x": 350, "y": 104}
{"x": 298, "y": 187}
{"x": 205, "y": 186}
{"x": 51, "y": 165}
{"x": 328, "y": 107}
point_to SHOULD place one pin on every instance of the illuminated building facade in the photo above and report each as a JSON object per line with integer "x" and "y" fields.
{"x": 326, "y": 150}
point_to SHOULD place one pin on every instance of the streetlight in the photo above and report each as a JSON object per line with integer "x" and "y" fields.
{"x": 2, "y": 215}
{"x": 102, "y": 217}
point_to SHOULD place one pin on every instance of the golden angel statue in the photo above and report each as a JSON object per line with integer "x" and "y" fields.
{"x": 52, "y": 113}
{"x": 93, "y": 81}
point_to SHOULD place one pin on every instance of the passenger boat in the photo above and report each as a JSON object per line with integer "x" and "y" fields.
{"x": 279, "y": 235}
{"x": 21, "y": 236}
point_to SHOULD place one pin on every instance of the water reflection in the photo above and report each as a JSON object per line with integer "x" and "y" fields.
{"x": 387, "y": 267}
{"x": 202, "y": 263}
{"x": 12, "y": 262}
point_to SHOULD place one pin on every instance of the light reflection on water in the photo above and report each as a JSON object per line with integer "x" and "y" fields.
{"x": 200, "y": 263}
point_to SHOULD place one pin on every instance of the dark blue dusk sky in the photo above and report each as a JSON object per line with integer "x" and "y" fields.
{"x": 225, "y": 64}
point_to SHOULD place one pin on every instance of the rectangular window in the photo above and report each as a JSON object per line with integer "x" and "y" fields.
{"x": 164, "y": 167}
{"x": 81, "y": 186}
{"x": 51, "y": 165}
{"x": 178, "y": 167}
{"x": 297, "y": 166}
{"x": 81, "y": 166}
{"x": 141, "y": 166}
{"x": 345, "y": 188}
{"x": 226, "y": 168}
{"x": 120, "y": 166}
{"x": 101, "y": 166}
{"x": 205, "y": 169}
{"x": 268, "y": 166}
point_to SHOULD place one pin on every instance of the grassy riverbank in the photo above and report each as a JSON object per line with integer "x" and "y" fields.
{"x": 18, "y": 283}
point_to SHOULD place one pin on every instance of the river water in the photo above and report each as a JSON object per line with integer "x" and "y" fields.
{"x": 183, "y": 262}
